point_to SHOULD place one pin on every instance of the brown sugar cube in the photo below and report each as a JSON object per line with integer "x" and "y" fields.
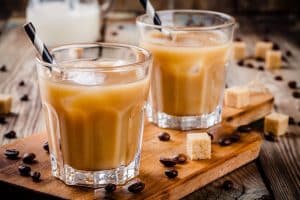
{"x": 237, "y": 97}
{"x": 276, "y": 123}
{"x": 261, "y": 49}
{"x": 273, "y": 59}
{"x": 239, "y": 50}
{"x": 198, "y": 146}
{"x": 5, "y": 103}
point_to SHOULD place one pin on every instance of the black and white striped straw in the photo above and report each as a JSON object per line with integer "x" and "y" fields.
{"x": 150, "y": 11}
{"x": 38, "y": 44}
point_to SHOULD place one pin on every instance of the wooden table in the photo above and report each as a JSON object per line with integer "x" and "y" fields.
{"x": 276, "y": 174}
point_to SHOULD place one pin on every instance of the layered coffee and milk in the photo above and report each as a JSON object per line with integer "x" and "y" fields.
{"x": 98, "y": 117}
{"x": 188, "y": 74}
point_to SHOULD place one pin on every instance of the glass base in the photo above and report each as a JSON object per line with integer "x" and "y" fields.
{"x": 164, "y": 120}
{"x": 95, "y": 179}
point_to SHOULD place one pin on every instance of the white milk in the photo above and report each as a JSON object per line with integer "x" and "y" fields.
{"x": 57, "y": 23}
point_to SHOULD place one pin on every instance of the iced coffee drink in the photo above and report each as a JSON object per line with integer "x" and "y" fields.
{"x": 94, "y": 114}
{"x": 189, "y": 69}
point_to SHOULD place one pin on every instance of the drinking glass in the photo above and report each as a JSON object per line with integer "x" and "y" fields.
{"x": 93, "y": 102}
{"x": 191, "y": 50}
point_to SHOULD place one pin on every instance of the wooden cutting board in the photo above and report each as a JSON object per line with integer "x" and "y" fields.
{"x": 191, "y": 176}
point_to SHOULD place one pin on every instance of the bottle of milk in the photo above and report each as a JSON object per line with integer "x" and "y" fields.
{"x": 66, "y": 21}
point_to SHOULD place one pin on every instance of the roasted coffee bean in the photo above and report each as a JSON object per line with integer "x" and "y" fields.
{"x": 244, "y": 128}
{"x": 292, "y": 84}
{"x": 292, "y": 121}
{"x": 110, "y": 188}
{"x": 46, "y": 146}
{"x": 283, "y": 58}
{"x": 275, "y": 47}
{"x": 164, "y": 136}
{"x": 240, "y": 63}
{"x": 21, "y": 83}
{"x": 24, "y": 98}
{"x": 121, "y": 27}
{"x": 35, "y": 176}
{"x": 296, "y": 95}
{"x": 167, "y": 162}
{"x": 270, "y": 137}
{"x": 2, "y": 120}
{"x": 211, "y": 135}
{"x": 11, "y": 154}
{"x": 24, "y": 170}
{"x": 114, "y": 33}
{"x": 235, "y": 137}
{"x": 225, "y": 141}
{"x": 238, "y": 39}
{"x": 259, "y": 59}
{"x": 10, "y": 135}
{"x": 180, "y": 158}
{"x": 28, "y": 158}
{"x": 227, "y": 185}
{"x": 261, "y": 68}
{"x": 278, "y": 78}
{"x": 288, "y": 53}
{"x": 171, "y": 173}
{"x": 3, "y": 68}
{"x": 136, "y": 187}
{"x": 249, "y": 65}
{"x": 298, "y": 123}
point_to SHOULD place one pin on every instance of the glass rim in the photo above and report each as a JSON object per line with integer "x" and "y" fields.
{"x": 231, "y": 20}
{"x": 145, "y": 52}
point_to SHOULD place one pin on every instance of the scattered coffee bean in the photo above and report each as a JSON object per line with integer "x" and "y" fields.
{"x": 35, "y": 176}
{"x": 136, "y": 187}
{"x": 275, "y": 46}
{"x": 164, "y": 136}
{"x": 180, "y": 158}
{"x": 238, "y": 39}
{"x": 171, "y": 173}
{"x": 235, "y": 137}
{"x": 298, "y": 123}
{"x": 28, "y": 158}
{"x": 21, "y": 83}
{"x": 270, "y": 137}
{"x": 292, "y": 121}
{"x": 11, "y": 154}
{"x": 120, "y": 27}
{"x": 114, "y": 33}
{"x": 227, "y": 185}
{"x": 288, "y": 53}
{"x": 244, "y": 128}
{"x": 278, "y": 78}
{"x": 259, "y": 59}
{"x": 10, "y": 135}
{"x": 2, "y": 120}
{"x": 292, "y": 84}
{"x": 3, "y": 68}
{"x": 283, "y": 58}
{"x": 24, "y": 98}
{"x": 296, "y": 95}
{"x": 167, "y": 162}
{"x": 240, "y": 63}
{"x": 46, "y": 146}
{"x": 24, "y": 170}
{"x": 211, "y": 135}
{"x": 225, "y": 141}
{"x": 249, "y": 65}
{"x": 110, "y": 188}
{"x": 261, "y": 68}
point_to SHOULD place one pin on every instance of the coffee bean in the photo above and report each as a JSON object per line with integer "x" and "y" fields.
{"x": 171, "y": 173}
{"x": 278, "y": 78}
{"x": 46, "y": 146}
{"x": 270, "y": 137}
{"x": 275, "y": 46}
{"x": 110, "y": 188}
{"x": 28, "y": 158}
{"x": 261, "y": 68}
{"x": 120, "y": 27}
{"x": 288, "y": 53}
{"x": 164, "y": 136}
{"x": 283, "y": 58}
{"x": 292, "y": 84}
{"x": 35, "y": 176}
{"x": 244, "y": 128}
{"x": 229, "y": 119}
{"x": 10, "y": 135}
{"x": 225, "y": 141}
{"x": 211, "y": 135}
{"x": 235, "y": 137}
{"x": 24, "y": 170}
{"x": 240, "y": 63}
{"x": 259, "y": 59}
{"x": 180, "y": 158}
{"x": 136, "y": 187}
{"x": 296, "y": 94}
{"x": 2, "y": 120}
{"x": 249, "y": 65}
{"x": 24, "y": 98}
{"x": 167, "y": 162}
{"x": 3, "y": 68}
{"x": 11, "y": 154}
{"x": 238, "y": 39}
{"x": 292, "y": 121}
{"x": 227, "y": 185}
{"x": 21, "y": 83}
{"x": 114, "y": 33}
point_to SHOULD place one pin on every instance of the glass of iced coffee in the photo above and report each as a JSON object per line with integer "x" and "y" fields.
{"x": 93, "y": 102}
{"x": 191, "y": 50}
